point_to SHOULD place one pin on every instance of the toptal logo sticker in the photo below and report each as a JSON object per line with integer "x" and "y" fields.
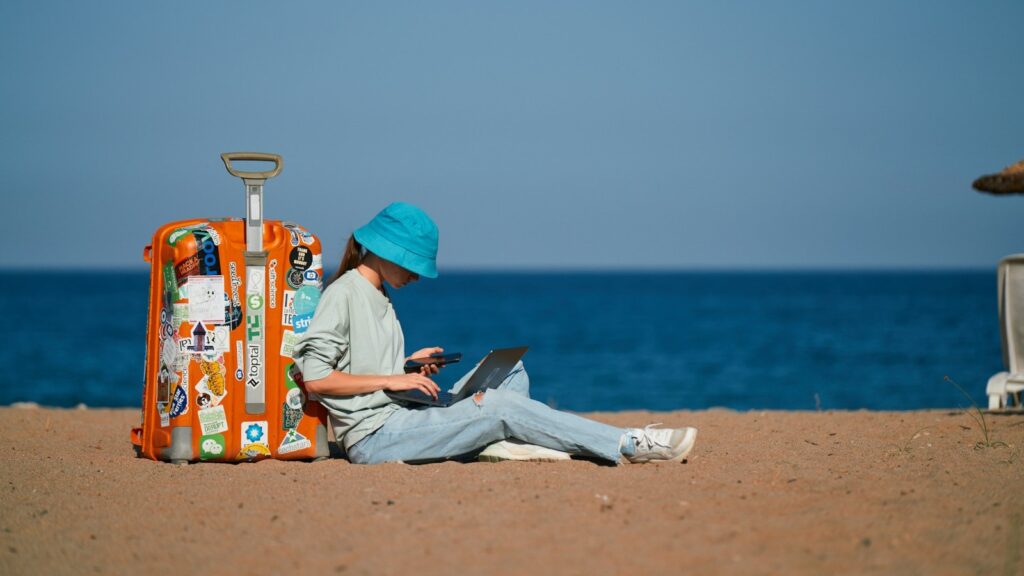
{"x": 255, "y": 364}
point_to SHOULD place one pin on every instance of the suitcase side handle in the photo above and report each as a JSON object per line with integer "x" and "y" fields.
{"x": 228, "y": 157}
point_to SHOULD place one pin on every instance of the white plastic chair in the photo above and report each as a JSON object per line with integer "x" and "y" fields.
{"x": 1005, "y": 387}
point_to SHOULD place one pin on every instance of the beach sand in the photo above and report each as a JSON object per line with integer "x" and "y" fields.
{"x": 763, "y": 493}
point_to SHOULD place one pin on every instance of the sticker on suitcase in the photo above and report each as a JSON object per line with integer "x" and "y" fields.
{"x": 212, "y": 387}
{"x": 166, "y": 330}
{"x": 255, "y": 363}
{"x": 213, "y": 420}
{"x": 167, "y": 378}
{"x": 311, "y": 278}
{"x": 301, "y": 258}
{"x": 254, "y": 440}
{"x": 173, "y": 355}
{"x": 171, "y": 283}
{"x": 179, "y": 315}
{"x": 207, "y": 340}
{"x": 185, "y": 269}
{"x": 235, "y": 309}
{"x": 294, "y": 278}
{"x": 209, "y": 256}
{"x": 273, "y": 284}
{"x": 206, "y": 299}
{"x": 288, "y": 341}
{"x": 291, "y": 409}
{"x": 293, "y": 376}
{"x": 212, "y": 447}
{"x": 288, "y": 308}
{"x": 292, "y": 442}
{"x": 173, "y": 238}
{"x": 179, "y": 403}
{"x": 298, "y": 233}
{"x": 301, "y": 322}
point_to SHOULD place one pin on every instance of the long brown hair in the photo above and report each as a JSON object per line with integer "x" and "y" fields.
{"x": 353, "y": 257}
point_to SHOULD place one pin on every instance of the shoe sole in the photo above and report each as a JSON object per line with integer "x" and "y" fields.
{"x": 495, "y": 459}
{"x": 691, "y": 436}
{"x": 520, "y": 452}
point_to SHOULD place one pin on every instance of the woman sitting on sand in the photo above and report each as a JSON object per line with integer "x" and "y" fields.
{"x": 354, "y": 350}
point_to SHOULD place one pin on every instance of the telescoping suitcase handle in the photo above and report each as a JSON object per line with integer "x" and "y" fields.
{"x": 227, "y": 157}
{"x": 255, "y": 274}
{"x": 253, "y": 193}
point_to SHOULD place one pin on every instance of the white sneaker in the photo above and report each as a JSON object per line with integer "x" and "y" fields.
{"x": 515, "y": 450}
{"x": 662, "y": 444}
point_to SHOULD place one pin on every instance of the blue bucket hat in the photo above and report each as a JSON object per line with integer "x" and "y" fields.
{"x": 405, "y": 235}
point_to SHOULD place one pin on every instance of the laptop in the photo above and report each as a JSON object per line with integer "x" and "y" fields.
{"x": 491, "y": 372}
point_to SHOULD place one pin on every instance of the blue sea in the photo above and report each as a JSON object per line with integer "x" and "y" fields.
{"x": 598, "y": 341}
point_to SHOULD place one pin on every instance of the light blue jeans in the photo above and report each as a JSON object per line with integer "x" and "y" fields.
{"x": 435, "y": 433}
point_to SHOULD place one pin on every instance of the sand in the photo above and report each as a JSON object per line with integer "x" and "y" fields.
{"x": 763, "y": 493}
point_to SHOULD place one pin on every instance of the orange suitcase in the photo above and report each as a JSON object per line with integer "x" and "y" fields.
{"x": 228, "y": 300}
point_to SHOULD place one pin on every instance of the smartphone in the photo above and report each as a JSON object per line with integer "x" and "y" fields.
{"x": 439, "y": 359}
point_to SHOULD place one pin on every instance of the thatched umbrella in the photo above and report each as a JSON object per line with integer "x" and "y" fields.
{"x": 1009, "y": 181}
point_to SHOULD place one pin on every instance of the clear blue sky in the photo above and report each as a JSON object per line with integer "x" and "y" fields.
{"x": 538, "y": 134}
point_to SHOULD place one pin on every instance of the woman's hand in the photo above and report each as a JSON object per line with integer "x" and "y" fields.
{"x": 427, "y": 369}
{"x": 412, "y": 381}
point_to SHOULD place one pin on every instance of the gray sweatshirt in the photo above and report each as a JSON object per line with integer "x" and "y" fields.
{"x": 354, "y": 330}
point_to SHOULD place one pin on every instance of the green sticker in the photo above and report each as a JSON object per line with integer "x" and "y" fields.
{"x": 289, "y": 382}
{"x": 211, "y": 447}
{"x": 171, "y": 282}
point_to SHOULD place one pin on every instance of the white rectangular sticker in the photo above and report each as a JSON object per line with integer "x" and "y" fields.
{"x": 206, "y": 299}
{"x": 255, "y": 441}
{"x": 255, "y": 433}
{"x": 169, "y": 354}
{"x": 213, "y": 420}
{"x": 288, "y": 341}
{"x": 288, "y": 308}
{"x": 220, "y": 338}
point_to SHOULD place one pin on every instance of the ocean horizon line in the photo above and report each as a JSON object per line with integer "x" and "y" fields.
{"x": 33, "y": 405}
{"x": 579, "y": 270}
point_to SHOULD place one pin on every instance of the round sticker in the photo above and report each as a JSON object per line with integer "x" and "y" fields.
{"x": 306, "y": 299}
{"x": 203, "y": 400}
{"x": 255, "y": 301}
{"x": 294, "y": 279}
{"x": 295, "y": 399}
{"x": 301, "y": 258}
